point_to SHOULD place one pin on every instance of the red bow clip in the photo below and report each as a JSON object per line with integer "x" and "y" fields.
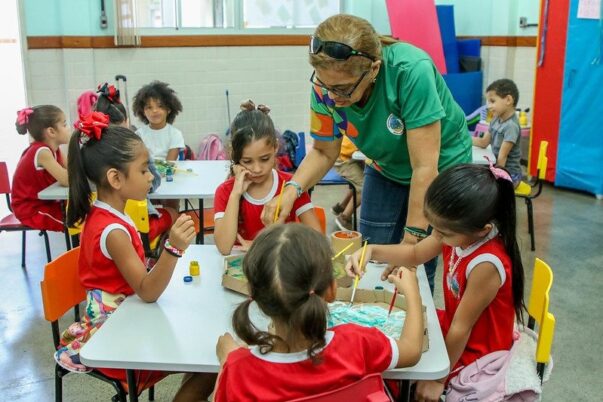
{"x": 92, "y": 126}
{"x": 23, "y": 116}
{"x": 109, "y": 91}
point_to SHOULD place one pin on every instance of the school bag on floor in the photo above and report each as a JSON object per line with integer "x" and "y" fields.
{"x": 212, "y": 148}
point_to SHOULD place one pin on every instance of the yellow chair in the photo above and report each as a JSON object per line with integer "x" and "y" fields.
{"x": 525, "y": 191}
{"x": 538, "y": 309}
{"x": 139, "y": 213}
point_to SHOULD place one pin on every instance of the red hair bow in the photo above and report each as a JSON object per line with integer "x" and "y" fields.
{"x": 23, "y": 115}
{"x": 92, "y": 126}
{"x": 109, "y": 91}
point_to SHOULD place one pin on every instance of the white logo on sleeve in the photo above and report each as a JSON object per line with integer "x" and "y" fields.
{"x": 395, "y": 125}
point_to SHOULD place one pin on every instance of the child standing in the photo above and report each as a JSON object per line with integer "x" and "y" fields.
{"x": 290, "y": 276}
{"x": 504, "y": 132}
{"x": 239, "y": 201}
{"x": 353, "y": 171}
{"x": 157, "y": 106}
{"x": 41, "y": 165}
{"x": 472, "y": 211}
{"x": 111, "y": 263}
{"x": 109, "y": 103}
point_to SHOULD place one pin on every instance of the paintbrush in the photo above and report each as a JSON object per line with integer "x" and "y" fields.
{"x": 278, "y": 203}
{"x": 357, "y": 279}
{"x": 391, "y": 304}
{"x": 342, "y": 251}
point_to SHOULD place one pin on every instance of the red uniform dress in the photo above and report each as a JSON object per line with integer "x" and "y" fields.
{"x": 250, "y": 209}
{"x": 351, "y": 353}
{"x": 493, "y": 330}
{"x": 28, "y": 181}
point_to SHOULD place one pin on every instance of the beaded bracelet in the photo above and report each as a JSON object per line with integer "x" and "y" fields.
{"x": 176, "y": 252}
{"x": 297, "y": 186}
{"x": 416, "y": 232}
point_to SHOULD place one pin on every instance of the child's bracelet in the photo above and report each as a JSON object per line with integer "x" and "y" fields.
{"x": 176, "y": 252}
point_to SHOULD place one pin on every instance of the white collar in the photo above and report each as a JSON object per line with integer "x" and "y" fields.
{"x": 288, "y": 358}
{"x": 268, "y": 196}
{"x": 465, "y": 252}
{"x": 109, "y": 208}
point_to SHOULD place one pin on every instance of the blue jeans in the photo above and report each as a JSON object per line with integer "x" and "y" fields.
{"x": 383, "y": 213}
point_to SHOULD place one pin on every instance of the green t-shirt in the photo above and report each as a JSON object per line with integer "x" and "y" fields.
{"x": 409, "y": 92}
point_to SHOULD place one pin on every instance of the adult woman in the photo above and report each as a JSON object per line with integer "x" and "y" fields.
{"x": 390, "y": 100}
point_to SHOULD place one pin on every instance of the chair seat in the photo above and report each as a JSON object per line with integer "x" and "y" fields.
{"x": 332, "y": 177}
{"x": 10, "y": 222}
{"x": 523, "y": 189}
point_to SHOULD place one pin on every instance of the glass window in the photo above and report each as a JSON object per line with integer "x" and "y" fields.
{"x": 287, "y": 13}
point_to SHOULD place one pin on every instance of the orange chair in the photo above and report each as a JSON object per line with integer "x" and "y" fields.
{"x": 62, "y": 290}
{"x": 322, "y": 218}
{"x": 368, "y": 389}
{"x": 10, "y": 223}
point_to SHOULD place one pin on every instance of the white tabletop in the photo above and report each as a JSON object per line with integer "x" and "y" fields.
{"x": 477, "y": 152}
{"x": 202, "y": 182}
{"x": 179, "y": 332}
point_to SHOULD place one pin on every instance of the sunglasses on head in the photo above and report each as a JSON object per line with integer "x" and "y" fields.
{"x": 336, "y": 50}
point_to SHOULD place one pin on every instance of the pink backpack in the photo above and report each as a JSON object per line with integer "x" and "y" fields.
{"x": 212, "y": 148}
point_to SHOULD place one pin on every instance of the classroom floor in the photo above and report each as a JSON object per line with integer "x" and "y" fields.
{"x": 569, "y": 236}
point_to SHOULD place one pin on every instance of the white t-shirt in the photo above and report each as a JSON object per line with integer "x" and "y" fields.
{"x": 159, "y": 142}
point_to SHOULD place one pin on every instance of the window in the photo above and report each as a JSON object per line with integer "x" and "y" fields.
{"x": 233, "y": 13}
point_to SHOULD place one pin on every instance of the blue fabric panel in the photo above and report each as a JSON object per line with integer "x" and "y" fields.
{"x": 580, "y": 146}
{"x": 300, "y": 151}
{"x": 466, "y": 89}
{"x": 448, "y": 34}
{"x": 469, "y": 47}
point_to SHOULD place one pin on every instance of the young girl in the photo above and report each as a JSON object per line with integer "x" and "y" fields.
{"x": 41, "y": 165}
{"x": 111, "y": 264}
{"x": 157, "y": 106}
{"x": 290, "y": 278}
{"x": 109, "y": 103}
{"x": 239, "y": 201}
{"x": 472, "y": 211}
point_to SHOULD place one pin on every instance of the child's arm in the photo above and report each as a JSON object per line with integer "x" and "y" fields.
{"x": 226, "y": 228}
{"x": 482, "y": 286}
{"x": 483, "y": 141}
{"x": 50, "y": 164}
{"x": 172, "y": 154}
{"x": 396, "y": 254}
{"x": 309, "y": 218}
{"x": 149, "y": 285}
{"x": 503, "y": 153}
{"x": 410, "y": 343}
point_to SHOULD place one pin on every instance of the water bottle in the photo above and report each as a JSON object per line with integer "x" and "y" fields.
{"x": 169, "y": 174}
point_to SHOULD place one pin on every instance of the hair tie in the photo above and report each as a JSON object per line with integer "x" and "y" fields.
{"x": 23, "y": 115}
{"x": 311, "y": 292}
{"x": 249, "y": 106}
{"x": 91, "y": 126}
{"x": 250, "y": 299}
{"x": 109, "y": 92}
{"x": 498, "y": 173}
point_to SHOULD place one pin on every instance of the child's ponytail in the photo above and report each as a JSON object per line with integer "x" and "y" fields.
{"x": 248, "y": 332}
{"x": 311, "y": 318}
{"x": 36, "y": 119}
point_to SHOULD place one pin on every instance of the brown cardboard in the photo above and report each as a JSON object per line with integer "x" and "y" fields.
{"x": 381, "y": 298}
{"x": 229, "y": 282}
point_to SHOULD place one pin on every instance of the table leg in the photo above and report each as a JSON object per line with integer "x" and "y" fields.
{"x": 404, "y": 395}
{"x": 201, "y": 235}
{"x": 132, "y": 386}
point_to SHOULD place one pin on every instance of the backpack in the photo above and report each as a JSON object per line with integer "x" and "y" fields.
{"x": 290, "y": 140}
{"x": 212, "y": 148}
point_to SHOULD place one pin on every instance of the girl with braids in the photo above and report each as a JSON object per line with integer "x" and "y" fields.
{"x": 111, "y": 262}
{"x": 290, "y": 277}
{"x": 238, "y": 201}
{"x": 472, "y": 211}
{"x": 41, "y": 165}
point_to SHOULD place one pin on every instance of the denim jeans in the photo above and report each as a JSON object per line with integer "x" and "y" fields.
{"x": 383, "y": 213}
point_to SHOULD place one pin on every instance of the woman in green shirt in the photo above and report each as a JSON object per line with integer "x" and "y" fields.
{"x": 393, "y": 104}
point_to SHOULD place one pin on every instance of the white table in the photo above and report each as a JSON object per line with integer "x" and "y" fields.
{"x": 200, "y": 183}
{"x": 179, "y": 332}
{"x": 477, "y": 153}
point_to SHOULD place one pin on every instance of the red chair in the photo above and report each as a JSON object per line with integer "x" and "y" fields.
{"x": 368, "y": 389}
{"x": 10, "y": 223}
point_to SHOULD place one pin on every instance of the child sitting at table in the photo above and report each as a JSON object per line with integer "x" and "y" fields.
{"x": 41, "y": 165}
{"x": 290, "y": 276}
{"x": 111, "y": 262}
{"x": 472, "y": 211}
{"x": 504, "y": 132}
{"x": 109, "y": 103}
{"x": 254, "y": 181}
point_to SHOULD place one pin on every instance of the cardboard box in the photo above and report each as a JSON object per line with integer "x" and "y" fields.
{"x": 232, "y": 264}
{"x": 381, "y": 298}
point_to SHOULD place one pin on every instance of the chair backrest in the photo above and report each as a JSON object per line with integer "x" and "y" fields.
{"x": 138, "y": 212}
{"x": 538, "y": 308}
{"x": 369, "y": 389}
{"x": 4, "y": 179}
{"x": 322, "y": 218}
{"x": 61, "y": 287}
{"x": 543, "y": 160}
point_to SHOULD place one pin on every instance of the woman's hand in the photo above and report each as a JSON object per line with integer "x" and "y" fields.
{"x": 242, "y": 182}
{"x": 352, "y": 266}
{"x": 429, "y": 391}
{"x": 286, "y": 204}
{"x": 182, "y": 232}
{"x": 225, "y": 345}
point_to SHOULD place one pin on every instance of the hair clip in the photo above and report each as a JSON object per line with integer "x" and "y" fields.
{"x": 110, "y": 92}
{"x": 91, "y": 126}
{"x": 249, "y": 106}
{"x": 311, "y": 292}
{"x": 499, "y": 173}
{"x": 23, "y": 115}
